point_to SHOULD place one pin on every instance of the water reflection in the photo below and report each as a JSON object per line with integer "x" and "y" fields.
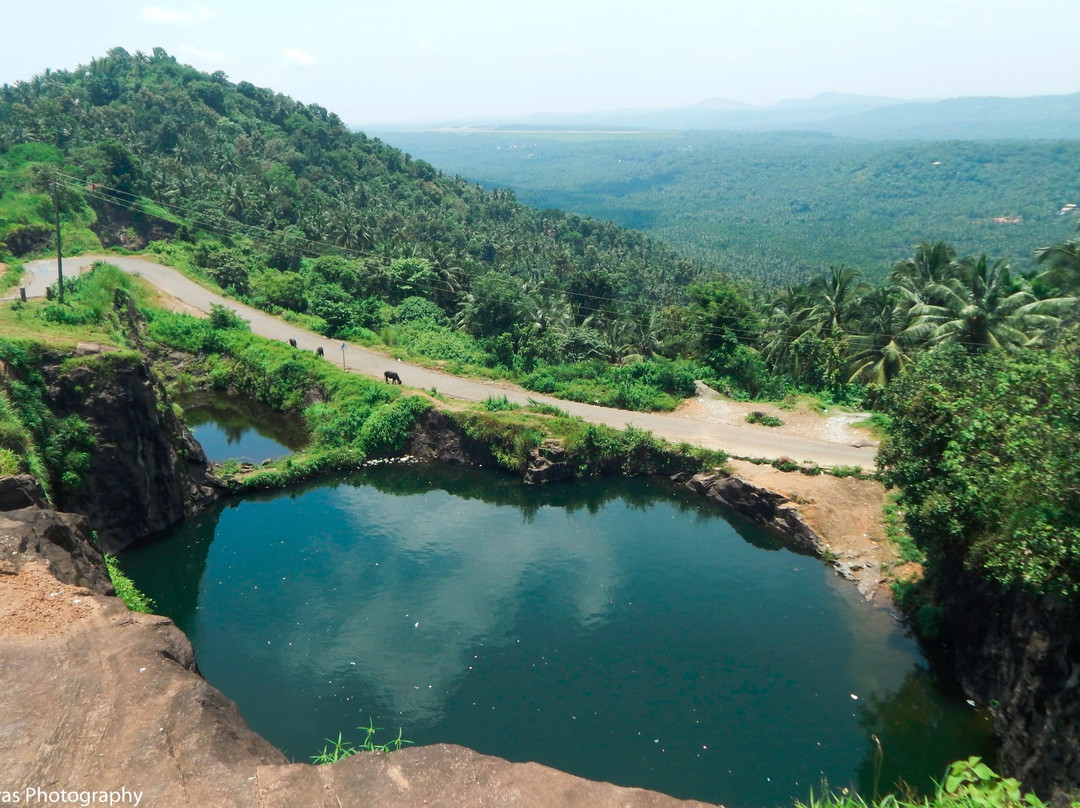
{"x": 235, "y": 426}
{"x": 617, "y": 617}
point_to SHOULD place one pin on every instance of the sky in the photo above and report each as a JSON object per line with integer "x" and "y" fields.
{"x": 385, "y": 62}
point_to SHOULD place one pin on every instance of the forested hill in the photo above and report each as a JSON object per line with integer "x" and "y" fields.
{"x": 238, "y": 160}
{"x": 777, "y": 207}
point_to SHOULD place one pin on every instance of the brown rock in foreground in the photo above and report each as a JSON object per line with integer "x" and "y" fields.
{"x": 94, "y": 697}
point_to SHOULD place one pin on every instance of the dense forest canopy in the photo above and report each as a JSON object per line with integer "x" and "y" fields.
{"x": 245, "y": 160}
{"x": 775, "y": 207}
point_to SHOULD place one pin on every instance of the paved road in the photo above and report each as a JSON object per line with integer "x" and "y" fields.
{"x": 741, "y": 440}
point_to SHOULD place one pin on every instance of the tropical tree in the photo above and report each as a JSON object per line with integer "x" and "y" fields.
{"x": 881, "y": 350}
{"x": 982, "y": 306}
{"x": 837, "y": 297}
{"x": 1063, "y": 265}
{"x": 931, "y": 263}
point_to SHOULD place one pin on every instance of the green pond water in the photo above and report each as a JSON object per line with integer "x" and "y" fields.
{"x": 234, "y": 427}
{"x": 621, "y": 630}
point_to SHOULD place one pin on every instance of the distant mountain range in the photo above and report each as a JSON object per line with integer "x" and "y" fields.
{"x": 872, "y": 117}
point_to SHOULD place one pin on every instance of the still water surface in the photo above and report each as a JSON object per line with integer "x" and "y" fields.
{"x": 236, "y": 427}
{"x": 617, "y": 629}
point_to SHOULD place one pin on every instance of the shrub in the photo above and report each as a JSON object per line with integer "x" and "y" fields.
{"x": 388, "y": 427}
{"x": 759, "y": 417}
{"x": 499, "y": 404}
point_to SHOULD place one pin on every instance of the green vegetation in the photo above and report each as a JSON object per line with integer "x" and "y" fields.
{"x": 775, "y": 207}
{"x": 340, "y": 748}
{"x": 983, "y": 449}
{"x": 759, "y": 417}
{"x": 278, "y": 204}
{"x": 973, "y": 359}
{"x": 967, "y": 784}
{"x": 126, "y": 589}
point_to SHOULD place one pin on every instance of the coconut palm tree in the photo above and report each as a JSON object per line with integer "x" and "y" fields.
{"x": 836, "y": 298}
{"x": 1063, "y": 265}
{"x": 983, "y": 307}
{"x": 881, "y": 351}
{"x": 931, "y": 263}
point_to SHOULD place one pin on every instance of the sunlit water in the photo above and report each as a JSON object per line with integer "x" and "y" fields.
{"x": 617, "y": 629}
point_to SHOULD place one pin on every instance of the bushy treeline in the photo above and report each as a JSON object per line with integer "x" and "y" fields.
{"x": 984, "y": 450}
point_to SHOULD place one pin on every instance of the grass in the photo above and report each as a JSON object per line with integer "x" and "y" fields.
{"x": 126, "y": 589}
{"x": 896, "y": 531}
{"x": 27, "y": 321}
{"x": 337, "y": 749}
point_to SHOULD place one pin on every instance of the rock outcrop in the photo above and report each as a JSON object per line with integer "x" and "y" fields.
{"x": 548, "y": 463}
{"x": 439, "y": 437}
{"x": 1019, "y": 653}
{"x": 146, "y": 472}
{"x": 759, "y": 504}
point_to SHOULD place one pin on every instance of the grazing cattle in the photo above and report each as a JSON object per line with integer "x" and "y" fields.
{"x": 392, "y": 377}
{"x": 319, "y": 351}
{"x": 292, "y": 342}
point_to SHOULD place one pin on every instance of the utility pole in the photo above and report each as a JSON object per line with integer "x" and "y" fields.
{"x": 59, "y": 251}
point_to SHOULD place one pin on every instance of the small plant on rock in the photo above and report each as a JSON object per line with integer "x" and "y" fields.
{"x": 340, "y": 748}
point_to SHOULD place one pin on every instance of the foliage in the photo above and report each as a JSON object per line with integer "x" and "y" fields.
{"x": 651, "y": 384}
{"x": 983, "y": 449}
{"x": 126, "y": 589}
{"x": 967, "y": 784}
{"x": 340, "y": 748}
{"x": 896, "y": 532}
{"x": 774, "y": 207}
{"x": 224, "y": 318}
{"x": 633, "y": 451}
{"x": 849, "y": 471}
{"x": 759, "y": 417}
{"x": 541, "y": 408}
{"x": 387, "y": 427}
{"x": 499, "y": 404}
{"x": 56, "y": 450}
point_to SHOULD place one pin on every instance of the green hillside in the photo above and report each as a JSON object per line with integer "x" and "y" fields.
{"x": 779, "y": 207}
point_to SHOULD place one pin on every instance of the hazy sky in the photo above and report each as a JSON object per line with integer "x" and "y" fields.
{"x": 394, "y": 61}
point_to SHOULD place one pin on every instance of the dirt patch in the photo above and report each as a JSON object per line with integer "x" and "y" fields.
{"x": 846, "y": 512}
{"x": 833, "y": 425}
{"x": 34, "y": 604}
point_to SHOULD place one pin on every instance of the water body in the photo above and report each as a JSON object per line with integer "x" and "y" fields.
{"x": 237, "y": 427}
{"x": 621, "y": 630}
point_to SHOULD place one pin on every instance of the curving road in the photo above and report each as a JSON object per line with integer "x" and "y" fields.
{"x": 743, "y": 441}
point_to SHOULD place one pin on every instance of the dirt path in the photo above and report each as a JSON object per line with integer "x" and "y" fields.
{"x": 708, "y": 422}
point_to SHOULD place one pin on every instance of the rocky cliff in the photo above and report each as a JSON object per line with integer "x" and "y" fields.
{"x": 96, "y": 699}
{"x": 146, "y": 471}
{"x": 1019, "y": 653}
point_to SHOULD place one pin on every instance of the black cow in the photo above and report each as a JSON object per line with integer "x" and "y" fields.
{"x": 392, "y": 377}
{"x": 292, "y": 342}
{"x": 319, "y": 351}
